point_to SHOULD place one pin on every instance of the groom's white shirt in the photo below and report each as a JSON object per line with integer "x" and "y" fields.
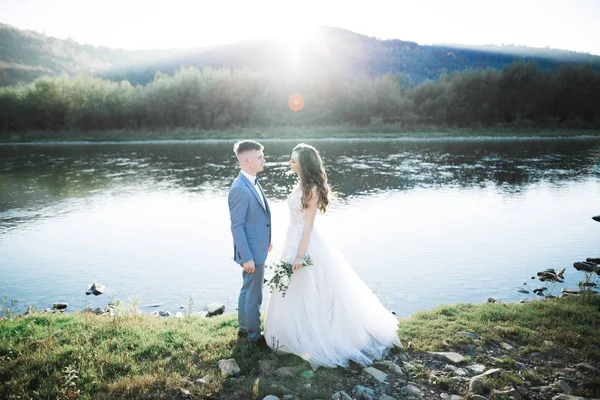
{"x": 252, "y": 180}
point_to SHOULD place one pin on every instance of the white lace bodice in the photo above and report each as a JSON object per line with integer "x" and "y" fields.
{"x": 296, "y": 226}
{"x": 295, "y": 207}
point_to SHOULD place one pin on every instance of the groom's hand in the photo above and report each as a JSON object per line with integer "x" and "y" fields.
{"x": 249, "y": 266}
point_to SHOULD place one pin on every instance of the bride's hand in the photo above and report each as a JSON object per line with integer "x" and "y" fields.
{"x": 297, "y": 263}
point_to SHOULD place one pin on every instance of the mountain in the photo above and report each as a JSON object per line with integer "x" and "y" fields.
{"x": 27, "y": 55}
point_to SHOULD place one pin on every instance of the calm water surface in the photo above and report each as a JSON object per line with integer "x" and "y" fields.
{"x": 423, "y": 222}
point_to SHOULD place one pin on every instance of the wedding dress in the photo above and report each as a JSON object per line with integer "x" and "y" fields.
{"x": 328, "y": 316}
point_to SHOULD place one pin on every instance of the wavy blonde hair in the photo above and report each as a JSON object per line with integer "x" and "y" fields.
{"x": 312, "y": 174}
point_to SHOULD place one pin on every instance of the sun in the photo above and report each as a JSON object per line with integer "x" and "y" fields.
{"x": 294, "y": 36}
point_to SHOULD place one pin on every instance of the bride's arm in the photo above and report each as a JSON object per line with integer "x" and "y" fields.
{"x": 309, "y": 214}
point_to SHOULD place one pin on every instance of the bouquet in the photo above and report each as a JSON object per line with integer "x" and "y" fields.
{"x": 282, "y": 273}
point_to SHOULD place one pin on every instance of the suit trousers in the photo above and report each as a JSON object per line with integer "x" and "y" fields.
{"x": 250, "y": 301}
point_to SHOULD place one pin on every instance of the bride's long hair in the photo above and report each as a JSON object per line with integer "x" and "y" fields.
{"x": 312, "y": 173}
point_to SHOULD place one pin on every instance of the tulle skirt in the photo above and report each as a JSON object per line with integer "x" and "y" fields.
{"x": 328, "y": 316}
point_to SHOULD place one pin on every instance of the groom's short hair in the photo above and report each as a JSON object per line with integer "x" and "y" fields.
{"x": 246, "y": 145}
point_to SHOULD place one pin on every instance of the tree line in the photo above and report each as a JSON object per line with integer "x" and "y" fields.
{"x": 520, "y": 94}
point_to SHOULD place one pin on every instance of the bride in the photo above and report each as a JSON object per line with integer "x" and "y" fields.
{"x": 328, "y": 315}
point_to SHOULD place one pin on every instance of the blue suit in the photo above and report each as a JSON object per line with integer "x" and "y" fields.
{"x": 251, "y": 230}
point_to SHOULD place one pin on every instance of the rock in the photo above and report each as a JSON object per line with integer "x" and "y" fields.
{"x": 178, "y": 314}
{"x": 155, "y": 304}
{"x": 540, "y": 291}
{"x": 506, "y": 346}
{"x": 363, "y": 393}
{"x": 548, "y": 343}
{"x": 163, "y": 313}
{"x": 570, "y": 291}
{"x": 60, "y": 306}
{"x": 412, "y": 390}
{"x": 478, "y": 397}
{"x": 215, "y": 309}
{"x": 460, "y": 372}
{"x": 95, "y": 288}
{"x": 341, "y": 395}
{"x": 185, "y": 392}
{"x": 567, "y": 397}
{"x": 155, "y": 314}
{"x": 476, "y": 369}
{"x": 489, "y": 372}
{"x": 288, "y": 372}
{"x": 403, "y": 357}
{"x": 454, "y": 358}
{"x": 585, "y": 266}
{"x": 506, "y": 394}
{"x": 375, "y": 373}
{"x": 491, "y": 300}
{"x": 446, "y": 396}
{"x": 563, "y": 386}
{"x": 476, "y": 386}
{"x": 288, "y": 397}
{"x": 271, "y": 397}
{"x": 202, "y": 381}
{"x": 408, "y": 367}
{"x": 519, "y": 365}
{"x": 386, "y": 397}
{"x": 395, "y": 368}
{"x": 470, "y": 335}
{"x": 586, "y": 367}
{"x": 229, "y": 367}
{"x": 596, "y": 218}
{"x": 478, "y": 349}
{"x": 450, "y": 367}
{"x": 266, "y": 366}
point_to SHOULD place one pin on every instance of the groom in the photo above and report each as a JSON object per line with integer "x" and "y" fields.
{"x": 251, "y": 229}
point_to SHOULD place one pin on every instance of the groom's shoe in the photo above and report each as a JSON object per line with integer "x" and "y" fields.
{"x": 261, "y": 343}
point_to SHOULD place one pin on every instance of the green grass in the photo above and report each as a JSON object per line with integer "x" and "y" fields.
{"x": 294, "y": 132}
{"x": 86, "y": 356}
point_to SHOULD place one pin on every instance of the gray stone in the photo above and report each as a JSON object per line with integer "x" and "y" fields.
{"x": 95, "y": 288}
{"x": 288, "y": 372}
{"x": 60, "y": 306}
{"x": 229, "y": 367}
{"x": 341, "y": 395}
{"x": 478, "y": 397}
{"x": 163, "y": 313}
{"x": 548, "y": 343}
{"x": 454, "y": 358}
{"x": 408, "y": 367}
{"x": 363, "y": 393}
{"x": 586, "y": 367}
{"x": 476, "y": 386}
{"x": 395, "y": 368}
{"x": 403, "y": 357}
{"x": 288, "y": 397}
{"x": 375, "y": 373}
{"x": 489, "y": 372}
{"x": 470, "y": 335}
{"x": 563, "y": 386}
{"x": 271, "y": 397}
{"x": 154, "y": 314}
{"x": 185, "y": 392}
{"x": 506, "y": 394}
{"x": 266, "y": 366}
{"x": 413, "y": 390}
{"x": 215, "y": 309}
{"x": 476, "y": 369}
{"x": 450, "y": 367}
{"x": 386, "y": 397}
{"x": 460, "y": 372}
{"x": 506, "y": 346}
{"x": 478, "y": 349}
{"x": 178, "y": 314}
{"x": 568, "y": 397}
{"x": 520, "y": 365}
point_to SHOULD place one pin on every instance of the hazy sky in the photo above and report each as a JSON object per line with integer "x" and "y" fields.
{"x": 143, "y": 24}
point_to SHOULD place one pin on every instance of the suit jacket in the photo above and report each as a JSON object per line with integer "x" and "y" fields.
{"x": 250, "y": 222}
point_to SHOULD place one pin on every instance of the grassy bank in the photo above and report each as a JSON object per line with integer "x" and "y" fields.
{"x": 294, "y": 132}
{"x": 88, "y": 356}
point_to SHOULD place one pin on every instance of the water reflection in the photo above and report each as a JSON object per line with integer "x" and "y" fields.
{"x": 152, "y": 218}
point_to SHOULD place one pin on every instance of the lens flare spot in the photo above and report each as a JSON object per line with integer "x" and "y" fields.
{"x": 296, "y": 102}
